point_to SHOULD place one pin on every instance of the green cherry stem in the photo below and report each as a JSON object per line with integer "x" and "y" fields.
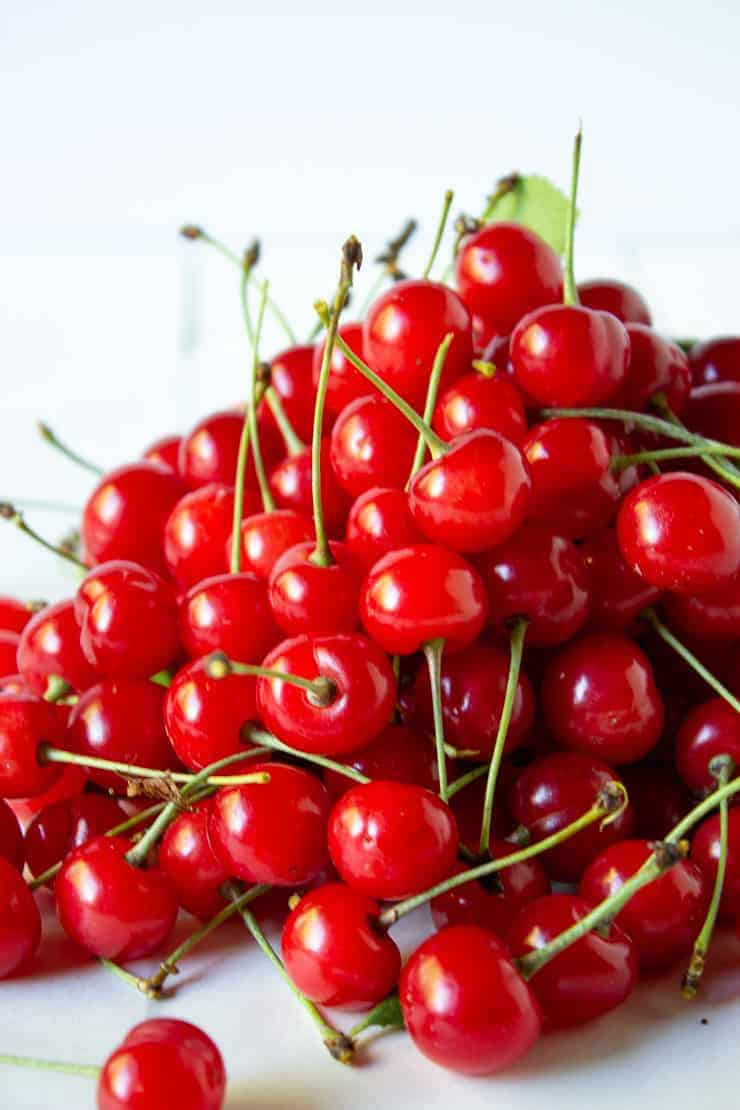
{"x": 621, "y": 462}
{"x": 466, "y": 779}
{"x": 53, "y": 440}
{"x": 249, "y": 261}
{"x": 723, "y": 468}
{"x": 446, "y": 204}
{"x": 667, "y": 636}
{"x": 47, "y": 754}
{"x": 293, "y": 444}
{"x": 516, "y": 648}
{"x": 430, "y": 402}
{"x": 464, "y": 225}
{"x": 321, "y": 690}
{"x": 433, "y": 652}
{"x": 388, "y": 259}
{"x": 89, "y": 1071}
{"x": 570, "y": 290}
{"x": 10, "y": 513}
{"x": 253, "y": 734}
{"x": 256, "y": 391}
{"x": 642, "y": 420}
{"x": 46, "y": 506}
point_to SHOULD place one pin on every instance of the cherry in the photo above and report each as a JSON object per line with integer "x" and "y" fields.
{"x": 716, "y": 360}
{"x": 9, "y": 642}
{"x": 708, "y": 616}
{"x": 26, "y": 721}
{"x": 69, "y": 784}
{"x": 50, "y": 645}
{"x": 380, "y": 521}
{"x": 539, "y": 575}
{"x": 467, "y": 805}
{"x": 392, "y": 839}
{"x": 62, "y": 826}
{"x": 372, "y": 444}
{"x": 476, "y": 401}
{"x": 15, "y": 615}
{"x": 664, "y": 917}
{"x": 290, "y": 483}
{"x": 504, "y": 271}
{"x": 705, "y": 852}
{"x": 587, "y": 979}
{"x": 111, "y": 908}
{"x": 681, "y": 532}
{"x": 158, "y": 1057}
{"x": 464, "y": 1004}
{"x": 361, "y": 692}
{"x": 191, "y": 865}
{"x": 209, "y": 452}
{"x": 20, "y": 923}
{"x": 599, "y": 697}
{"x": 204, "y": 716}
{"x": 658, "y": 797}
{"x": 345, "y": 383}
{"x": 125, "y": 515}
{"x": 308, "y": 597}
{"x": 493, "y": 902}
{"x": 610, "y": 295}
{"x": 267, "y": 536}
{"x": 291, "y": 376}
{"x": 617, "y": 594}
{"x": 272, "y": 834}
{"x": 121, "y": 719}
{"x": 656, "y": 365}
{"x": 335, "y": 954}
{"x": 714, "y": 411}
{"x": 474, "y": 496}
{"x": 230, "y": 613}
{"x": 165, "y": 452}
{"x": 12, "y": 847}
{"x": 419, "y": 593}
{"x": 711, "y": 728}
{"x": 552, "y": 793}
{"x": 473, "y": 684}
{"x": 403, "y": 329}
{"x": 398, "y": 754}
{"x": 197, "y": 530}
{"x": 128, "y": 620}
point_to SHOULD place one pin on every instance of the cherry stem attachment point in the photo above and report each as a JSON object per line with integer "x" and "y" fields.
{"x": 431, "y": 401}
{"x": 321, "y": 690}
{"x": 255, "y": 735}
{"x": 10, "y": 513}
{"x": 53, "y": 440}
{"x": 570, "y": 290}
{"x": 667, "y": 636}
{"x": 448, "y": 197}
{"x": 433, "y": 652}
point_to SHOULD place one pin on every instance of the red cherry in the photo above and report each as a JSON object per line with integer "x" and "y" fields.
{"x": 69, "y": 784}
{"x": 121, "y": 719}
{"x": 714, "y": 411}
{"x": 569, "y": 355}
{"x": 14, "y": 615}
{"x": 681, "y": 532}
{"x": 273, "y": 833}
{"x": 25, "y": 722}
{"x": 716, "y": 360}
{"x": 584, "y": 981}
{"x": 711, "y": 616}
{"x": 267, "y": 536}
{"x": 476, "y": 402}
{"x": 711, "y": 728}
{"x": 291, "y": 376}
{"x": 493, "y": 902}
{"x": 658, "y": 798}
{"x": 197, "y": 530}
{"x": 467, "y": 805}
{"x": 114, "y": 910}
{"x": 307, "y": 597}
{"x": 361, "y": 701}
{"x": 191, "y": 865}
{"x": 663, "y": 918}
{"x": 656, "y": 365}
{"x": 9, "y": 642}
{"x": 209, "y": 452}
{"x": 553, "y": 792}
{"x": 165, "y": 452}
{"x": 609, "y": 295}
{"x": 464, "y": 1004}
{"x": 392, "y": 839}
{"x": 380, "y": 521}
{"x": 11, "y": 838}
{"x": 419, "y": 593}
{"x": 599, "y": 697}
{"x": 204, "y": 716}
{"x": 230, "y": 613}
{"x": 128, "y": 620}
{"x": 125, "y": 515}
{"x": 63, "y": 826}
{"x": 618, "y": 595}
{"x": 705, "y": 852}
{"x": 290, "y": 483}
{"x": 398, "y": 754}
{"x": 346, "y": 383}
{"x": 504, "y": 271}
{"x": 334, "y": 954}
{"x": 50, "y": 645}
{"x": 539, "y": 575}
{"x": 372, "y": 444}
{"x": 160, "y": 1056}
{"x": 20, "y": 923}
{"x": 403, "y": 329}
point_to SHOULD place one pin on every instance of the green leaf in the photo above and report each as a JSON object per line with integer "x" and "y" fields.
{"x": 539, "y": 205}
{"x": 386, "y": 1014}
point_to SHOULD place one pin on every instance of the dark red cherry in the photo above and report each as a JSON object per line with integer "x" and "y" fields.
{"x": 584, "y": 981}
{"x": 272, "y": 833}
{"x": 553, "y": 792}
{"x": 618, "y": 595}
{"x": 306, "y": 597}
{"x": 290, "y": 482}
{"x": 335, "y": 954}
{"x": 20, "y": 923}
{"x": 716, "y": 360}
{"x": 372, "y": 444}
{"x": 475, "y": 402}
{"x": 128, "y": 620}
{"x": 681, "y": 532}
{"x": 399, "y": 753}
{"x": 63, "y": 826}
{"x": 125, "y": 515}
{"x": 467, "y": 805}
{"x": 664, "y": 918}
{"x": 50, "y": 645}
{"x": 539, "y": 575}
{"x": 380, "y": 521}
{"x": 465, "y": 1005}
{"x": 209, "y": 452}
{"x": 658, "y": 797}
{"x": 267, "y": 536}
{"x": 9, "y": 642}
{"x": 714, "y": 411}
{"x": 346, "y": 383}
{"x": 165, "y": 452}
{"x": 493, "y": 902}
{"x": 26, "y": 721}
{"x": 204, "y": 716}
{"x": 504, "y": 271}
{"x": 707, "y": 616}
{"x": 403, "y": 329}
{"x": 189, "y": 862}
{"x": 419, "y": 593}
{"x": 711, "y": 728}
{"x": 197, "y": 530}
{"x": 70, "y": 784}
{"x": 291, "y": 376}
{"x": 11, "y": 838}
{"x": 610, "y": 295}
{"x": 229, "y": 613}
{"x": 656, "y": 365}
{"x": 705, "y": 852}
{"x": 15, "y": 615}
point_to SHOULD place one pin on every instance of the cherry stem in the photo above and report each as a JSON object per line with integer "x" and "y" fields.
{"x": 293, "y": 444}
{"x": 466, "y": 779}
{"x": 266, "y": 739}
{"x": 433, "y": 651}
{"x": 621, "y": 462}
{"x": 351, "y": 258}
{"x": 643, "y": 420}
{"x": 667, "y": 636}
{"x": 250, "y": 259}
{"x": 724, "y": 469}
{"x": 440, "y": 232}
{"x": 721, "y": 767}
{"x": 389, "y": 260}
{"x": 48, "y": 754}
{"x": 504, "y": 186}
{"x": 89, "y": 1071}
{"x": 46, "y": 506}
{"x": 570, "y": 290}
{"x": 610, "y": 803}
{"x": 53, "y": 440}
{"x": 430, "y": 402}
{"x": 516, "y": 648}
{"x": 255, "y": 396}
{"x": 10, "y": 513}
{"x": 322, "y": 690}
{"x": 339, "y": 1045}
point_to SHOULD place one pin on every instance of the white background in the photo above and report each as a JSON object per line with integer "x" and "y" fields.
{"x": 301, "y": 123}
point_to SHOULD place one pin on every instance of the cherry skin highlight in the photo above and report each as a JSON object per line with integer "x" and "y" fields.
{"x": 716, "y": 360}
{"x": 711, "y": 728}
{"x": 197, "y": 530}
{"x": 656, "y": 365}
{"x": 399, "y": 753}
{"x": 291, "y": 376}
{"x": 379, "y": 522}
{"x": 290, "y": 483}
{"x": 372, "y": 444}
{"x": 346, "y": 383}
{"x": 63, "y": 826}
{"x": 26, "y": 721}
{"x": 610, "y": 295}
{"x": 705, "y": 851}
{"x": 50, "y": 646}
{"x": 20, "y": 923}
{"x": 494, "y": 902}
{"x": 204, "y": 716}
{"x": 476, "y": 402}
{"x": 307, "y": 597}
{"x": 164, "y": 452}
{"x": 267, "y": 536}
{"x": 617, "y": 594}
{"x": 229, "y": 613}
{"x": 189, "y": 862}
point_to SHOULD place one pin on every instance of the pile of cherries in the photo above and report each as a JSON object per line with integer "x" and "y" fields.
{"x": 448, "y": 613}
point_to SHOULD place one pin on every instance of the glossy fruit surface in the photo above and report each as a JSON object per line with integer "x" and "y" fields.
{"x": 164, "y": 452}
{"x": 379, "y": 522}
{"x": 63, "y": 826}
{"x": 705, "y": 851}
{"x": 189, "y": 862}
{"x": 656, "y": 366}
{"x": 617, "y": 594}
{"x": 307, "y": 597}
{"x": 609, "y": 295}
{"x": 14, "y": 614}
{"x": 204, "y": 716}
{"x": 372, "y": 444}
{"x": 209, "y": 452}
{"x": 346, "y": 383}
{"x": 716, "y": 360}
{"x": 290, "y": 482}
{"x": 398, "y": 753}
{"x": 8, "y": 651}
{"x": 20, "y": 923}
{"x": 711, "y": 728}
{"x": 229, "y": 613}
{"x": 291, "y": 376}
{"x": 12, "y": 847}
{"x": 197, "y": 531}
{"x": 475, "y": 402}
{"x": 26, "y": 721}
{"x": 267, "y": 536}
{"x": 50, "y": 646}
{"x": 493, "y": 902}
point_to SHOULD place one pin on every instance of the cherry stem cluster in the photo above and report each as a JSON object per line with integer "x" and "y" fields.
{"x": 673, "y": 642}
{"x": 321, "y": 689}
{"x": 430, "y": 402}
{"x": 253, "y": 734}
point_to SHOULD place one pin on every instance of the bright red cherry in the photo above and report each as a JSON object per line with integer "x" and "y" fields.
{"x": 371, "y": 833}
{"x": 229, "y": 613}
{"x": 372, "y": 444}
{"x": 290, "y": 482}
{"x": 716, "y": 360}
{"x": 160, "y": 1056}
{"x": 465, "y": 1005}
{"x": 9, "y": 642}
{"x": 108, "y": 906}
{"x": 380, "y": 521}
{"x": 63, "y": 826}
{"x": 69, "y": 784}
{"x": 711, "y": 728}
{"x": 403, "y": 329}
{"x": 584, "y": 981}
{"x": 267, "y": 536}
{"x": 272, "y": 833}
{"x": 209, "y": 452}
{"x": 399, "y": 753}
{"x": 610, "y": 295}
{"x": 681, "y": 532}
{"x": 359, "y": 703}
{"x": 656, "y": 365}
{"x": 189, "y": 862}
{"x": 20, "y": 923}
{"x": 197, "y": 530}
{"x": 125, "y": 515}
{"x": 419, "y": 593}
{"x": 475, "y": 402}
{"x": 15, "y": 615}
{"x": 128, "y": 620}
{"x": 335, "y": 954}
{"x": 11, "y": 838}
{"x": 618, "y": 595}
{"x": 204, "y": 716}
{"x": 714, "y": 411}
{"x": 553, "y": 792}
{"x": 307, "y": 597}
{"x": 493, "y": 902}
{"x": 346, "y": 383}
{"x": 165, "y": 452}
{"x": 664, "y": 918}
{"x": 539, "y": 575}
{"x": 504, "y": 271}
{"x": 50, "y": 645}
{"x": 291, "y": 376}
{"x": 705, "y": 852}
{"x": 26, "y": 721}
{"x": 710, "y": 616}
